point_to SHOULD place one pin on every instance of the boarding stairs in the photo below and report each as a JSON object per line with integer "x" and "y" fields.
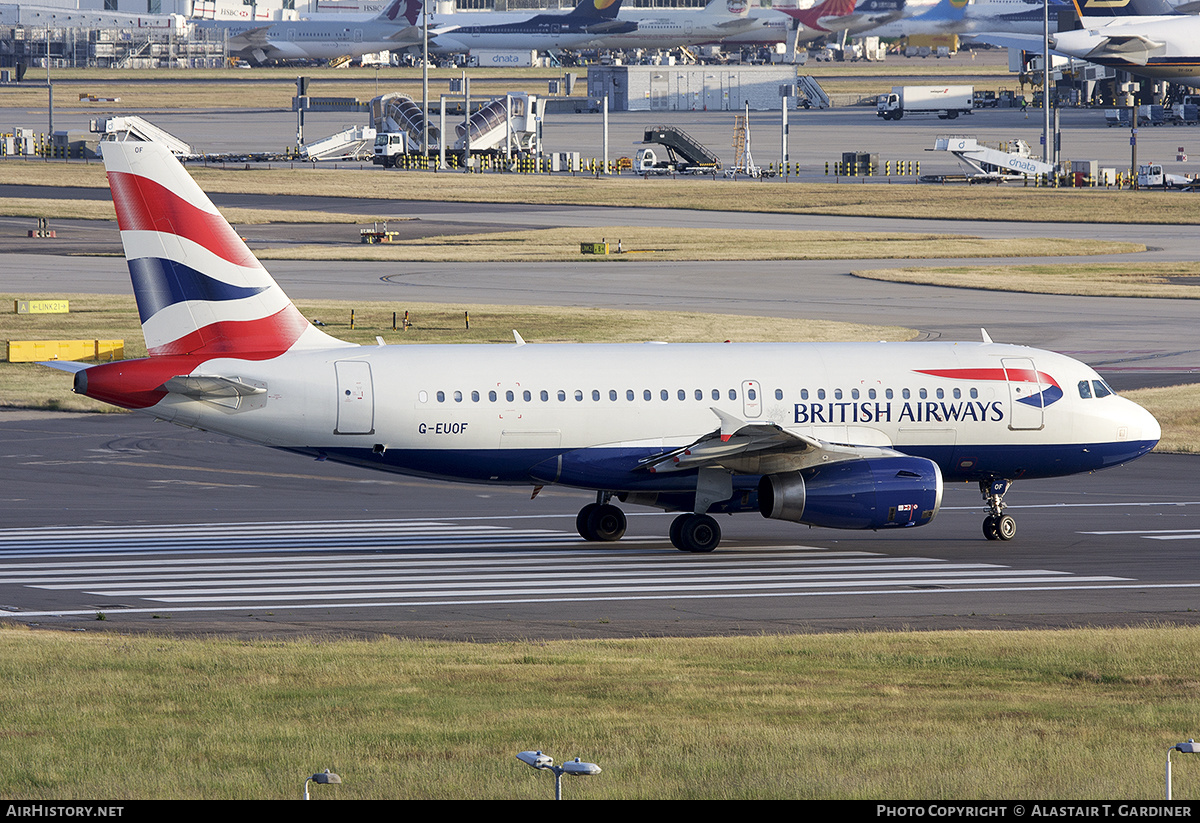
{"x": 354, "y": 143}
{"x": 684, "y": 151}
{"x": 398, "y": 113}
{"x": 813, "y": 92}
{"x": 136, "y": 128}
{"x": 993, "y": 163}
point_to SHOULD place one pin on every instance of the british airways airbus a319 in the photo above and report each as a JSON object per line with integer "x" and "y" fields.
{"x": 847, "y": 436}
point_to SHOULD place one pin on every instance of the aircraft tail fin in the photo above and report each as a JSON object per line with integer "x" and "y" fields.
{"x": 401, "y": 10}
{"x": 200, "y": 291}
{"x": 1098, "y": 12}
{"x": 595, "y": 10}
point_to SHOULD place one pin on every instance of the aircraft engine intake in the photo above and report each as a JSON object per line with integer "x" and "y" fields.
{"x": 873, "y": 493}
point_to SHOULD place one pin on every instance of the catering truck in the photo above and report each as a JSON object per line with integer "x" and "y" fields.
{"x": 947, "y": 102}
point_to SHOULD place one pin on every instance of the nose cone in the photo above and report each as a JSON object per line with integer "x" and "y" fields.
{"x": 1137, "y": 427}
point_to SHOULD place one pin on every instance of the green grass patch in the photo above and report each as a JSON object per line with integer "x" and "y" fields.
{"x": 1078, "y": 714}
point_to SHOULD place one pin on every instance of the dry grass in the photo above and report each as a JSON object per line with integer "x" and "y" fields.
{"x": 867, "y": 200}
{"x": 68, "y": 209}
{"x": 1090, "y": 279}
{"x": 1177, "y": 409}
{"x": 652, "y": 243}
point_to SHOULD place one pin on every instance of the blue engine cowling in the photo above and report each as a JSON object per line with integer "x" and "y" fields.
{"x": 872, "y": 493}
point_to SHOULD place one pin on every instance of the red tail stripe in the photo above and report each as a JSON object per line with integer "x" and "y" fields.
{"x": 246, "y": 339}
{"x": 144, "y": 205}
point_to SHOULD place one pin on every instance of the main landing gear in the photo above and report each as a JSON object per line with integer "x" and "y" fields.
{"x": 600, "y": 521}
{"x": 997, "y": 525}
{"x": 603, "y": 522}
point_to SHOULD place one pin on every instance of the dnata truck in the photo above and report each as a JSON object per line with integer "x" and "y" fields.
{"x": 947, "y": 102}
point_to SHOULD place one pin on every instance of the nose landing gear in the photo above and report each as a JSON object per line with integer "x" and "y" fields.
{"x": 997, "y": 525}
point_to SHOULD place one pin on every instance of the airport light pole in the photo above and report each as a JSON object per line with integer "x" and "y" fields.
{"x": 1046, "y": 154}
{"x": 323, "y": 778}
{"x": 425, "y": 76}
{"x": 576, "y": 767}
{"x": 1191, "y": 747}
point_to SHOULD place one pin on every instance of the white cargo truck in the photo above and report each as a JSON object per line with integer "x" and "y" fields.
{"x": 947, "y": 102}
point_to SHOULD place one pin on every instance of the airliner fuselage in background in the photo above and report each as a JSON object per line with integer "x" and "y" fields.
{"x": 324, "y": 39}
{"x": 855, "y": 436}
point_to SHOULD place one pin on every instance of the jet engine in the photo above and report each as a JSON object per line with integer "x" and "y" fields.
{"x": 871, "y": 493}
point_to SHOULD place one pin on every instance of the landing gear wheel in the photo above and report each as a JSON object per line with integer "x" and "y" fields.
{"x": 581, "y": 520}
{"x": 990, "y": 531}
{"x": 1006, "y": 527}
{"x": 606, "y": 523}
{"x": 997, "y": 525}
{"x": 697, "y": 533}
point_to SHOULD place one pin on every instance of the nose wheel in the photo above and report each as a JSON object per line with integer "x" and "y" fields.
{"x": 997, "y": 525}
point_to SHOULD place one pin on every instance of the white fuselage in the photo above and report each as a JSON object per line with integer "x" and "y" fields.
{"x": 662, "y": 29}
{"x": 1162, "y": 48}
{"x": 583, "y": 415}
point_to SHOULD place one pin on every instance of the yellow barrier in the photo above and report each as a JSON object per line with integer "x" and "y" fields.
{"x": 31, "y": 351}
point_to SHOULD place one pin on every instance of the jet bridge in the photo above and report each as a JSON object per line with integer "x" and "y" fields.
{"x": 131, "y": 126}
{"x": 993, "y": 163}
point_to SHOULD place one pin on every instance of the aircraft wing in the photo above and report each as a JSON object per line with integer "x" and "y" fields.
{"x": 736, "y": 25}
{"x": 251, "y": 38}
{"x": 1132, "y": 47}
{"x": 1028, "y": 42}
{"x": 737, "y": 441}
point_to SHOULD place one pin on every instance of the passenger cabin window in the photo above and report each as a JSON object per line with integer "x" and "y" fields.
{"x": 779, "y": 394}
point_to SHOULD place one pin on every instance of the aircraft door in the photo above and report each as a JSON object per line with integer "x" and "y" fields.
{"x": 358, "y": 35}
{"x": 751, "y": 399}
{"x": 356, "y": 398}
{"x": 1025, "y": 393}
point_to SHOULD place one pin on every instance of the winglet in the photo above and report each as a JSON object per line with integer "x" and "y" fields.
{"x": 729, "y": 424}
{"x": 518, "y": 338}
{"x": 987, "y": 338}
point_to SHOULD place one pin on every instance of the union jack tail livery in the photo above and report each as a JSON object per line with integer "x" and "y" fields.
{"x": 200, "y": 291}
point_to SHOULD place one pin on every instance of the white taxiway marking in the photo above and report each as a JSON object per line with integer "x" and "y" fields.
{"x": 381, "y": 563}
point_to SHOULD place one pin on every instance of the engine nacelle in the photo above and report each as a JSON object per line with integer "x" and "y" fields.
{"x": 873, "y": 493}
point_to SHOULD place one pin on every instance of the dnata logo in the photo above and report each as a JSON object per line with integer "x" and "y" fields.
{"x": 736, "y": 6}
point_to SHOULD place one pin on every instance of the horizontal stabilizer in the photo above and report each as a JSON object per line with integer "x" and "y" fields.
{"x": 66, "y": 365}
{"x": 199, "y": 385}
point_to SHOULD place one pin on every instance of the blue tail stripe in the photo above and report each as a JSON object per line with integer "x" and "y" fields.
{"x": 158, "y": 283}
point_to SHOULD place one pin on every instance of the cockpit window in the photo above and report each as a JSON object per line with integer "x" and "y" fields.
{"x": 1102, "y": 388}
{"x": 1085, "y": 389}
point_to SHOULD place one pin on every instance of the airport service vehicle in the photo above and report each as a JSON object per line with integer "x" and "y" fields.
{"x": 508, "y": 123}
{"x": 846, "y": 436}
{"x": 680, "y": 152}
{"x": 1152, "y": 176}
{"x": 947, "y": 102}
